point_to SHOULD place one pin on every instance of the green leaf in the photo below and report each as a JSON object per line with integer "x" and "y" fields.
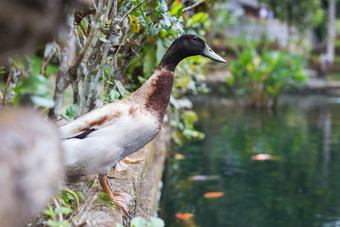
{"x": 34, "y": 84}
{"x": 90, "y": 184}
{"x": 191, "y": 133}
{"x": 80, "y": 195}
{"x": 63, "y": 210}
{"x": 105, "y": 199}
{"x": 155, "y": 222}
{"x": 166, "y": 22}
{"x": 174, "y": 102}
{"x": 176, "y": 9}
{"x": 189, "y": 118}
{"x": 200, "y": 17}
{"x": 160, "y": 49}
{"x": 152, "y": 30}
{"x": 149, "y": 62}
{"x": 138, "y": 222}
{"x": 179, "y": 28}
{"x": 53, "y": 223}
{"x": 102, "y": 37}
{"x": 71, "y": 112}
{"x": 114, "y": 95}
{"x": 35, "y": 89}
{"x": 121, "y": 88}
{"x": 141, "y": 79}
{"x": 162, "y": 6}
{"x": 49, "y": 212}
{"x": 230, "y": 81}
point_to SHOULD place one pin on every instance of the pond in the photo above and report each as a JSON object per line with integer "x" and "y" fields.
{"x": 297, "y": 183}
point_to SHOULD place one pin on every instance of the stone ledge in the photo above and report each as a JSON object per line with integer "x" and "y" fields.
{"x": 141, "y": 181}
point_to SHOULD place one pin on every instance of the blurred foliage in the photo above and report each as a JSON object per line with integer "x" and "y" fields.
{"x": 183, "y": 125}
{"x": 36, "y": 64}
{"x": 33, "y": 89}
{"x": 71, "y": 112}
{"x": 223, "y": 17}
{"x": 302, "y": 14}
{"x": 260, "y": 76}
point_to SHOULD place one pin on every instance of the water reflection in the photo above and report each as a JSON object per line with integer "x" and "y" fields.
{"x": 300, "y": 188}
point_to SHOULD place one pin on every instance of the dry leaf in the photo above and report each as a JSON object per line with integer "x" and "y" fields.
{"x": 132, "y": 42}
{"x": 134, "y": 23}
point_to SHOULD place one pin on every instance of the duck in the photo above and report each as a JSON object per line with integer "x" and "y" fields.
{"x": 98, "y": 140}
{"x": 29, "y": 178}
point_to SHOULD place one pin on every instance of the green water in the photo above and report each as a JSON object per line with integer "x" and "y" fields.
{"x": 301, "y": 188}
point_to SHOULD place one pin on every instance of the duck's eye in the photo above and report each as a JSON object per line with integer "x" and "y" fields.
{"x": 195, "y": 38}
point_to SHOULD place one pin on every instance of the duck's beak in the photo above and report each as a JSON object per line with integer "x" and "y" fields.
{"x": 209, "y": 53}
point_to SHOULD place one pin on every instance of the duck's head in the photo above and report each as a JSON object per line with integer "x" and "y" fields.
{"x": 186, "y": 46}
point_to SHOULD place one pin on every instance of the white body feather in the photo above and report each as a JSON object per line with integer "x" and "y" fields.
{"x": 114, "y": 140}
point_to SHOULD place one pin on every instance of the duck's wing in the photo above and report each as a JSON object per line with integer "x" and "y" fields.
{"x": 92, "y": 121}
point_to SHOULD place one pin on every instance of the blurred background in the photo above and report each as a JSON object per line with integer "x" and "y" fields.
{"x": 254, "y": 142}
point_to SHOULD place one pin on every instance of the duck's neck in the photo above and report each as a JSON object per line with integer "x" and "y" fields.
{"x": 155, "y": 92}
{"x": 171, "y": 58}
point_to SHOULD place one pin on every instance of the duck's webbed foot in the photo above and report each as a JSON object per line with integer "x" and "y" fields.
{"x": 121, "y": 200}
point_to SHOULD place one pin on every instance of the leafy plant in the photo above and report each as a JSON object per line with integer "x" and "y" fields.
{"x": 63, "y": 205}
{"x": 71, "y": 198}
{"x": 53, "y": 213}
{"x": 260, "y": 76}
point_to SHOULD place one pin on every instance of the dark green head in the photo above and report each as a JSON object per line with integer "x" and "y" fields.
{"x": 186, "y": 46}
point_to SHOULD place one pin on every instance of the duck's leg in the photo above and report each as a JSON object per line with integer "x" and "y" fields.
{"x": 121, "y": 200}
